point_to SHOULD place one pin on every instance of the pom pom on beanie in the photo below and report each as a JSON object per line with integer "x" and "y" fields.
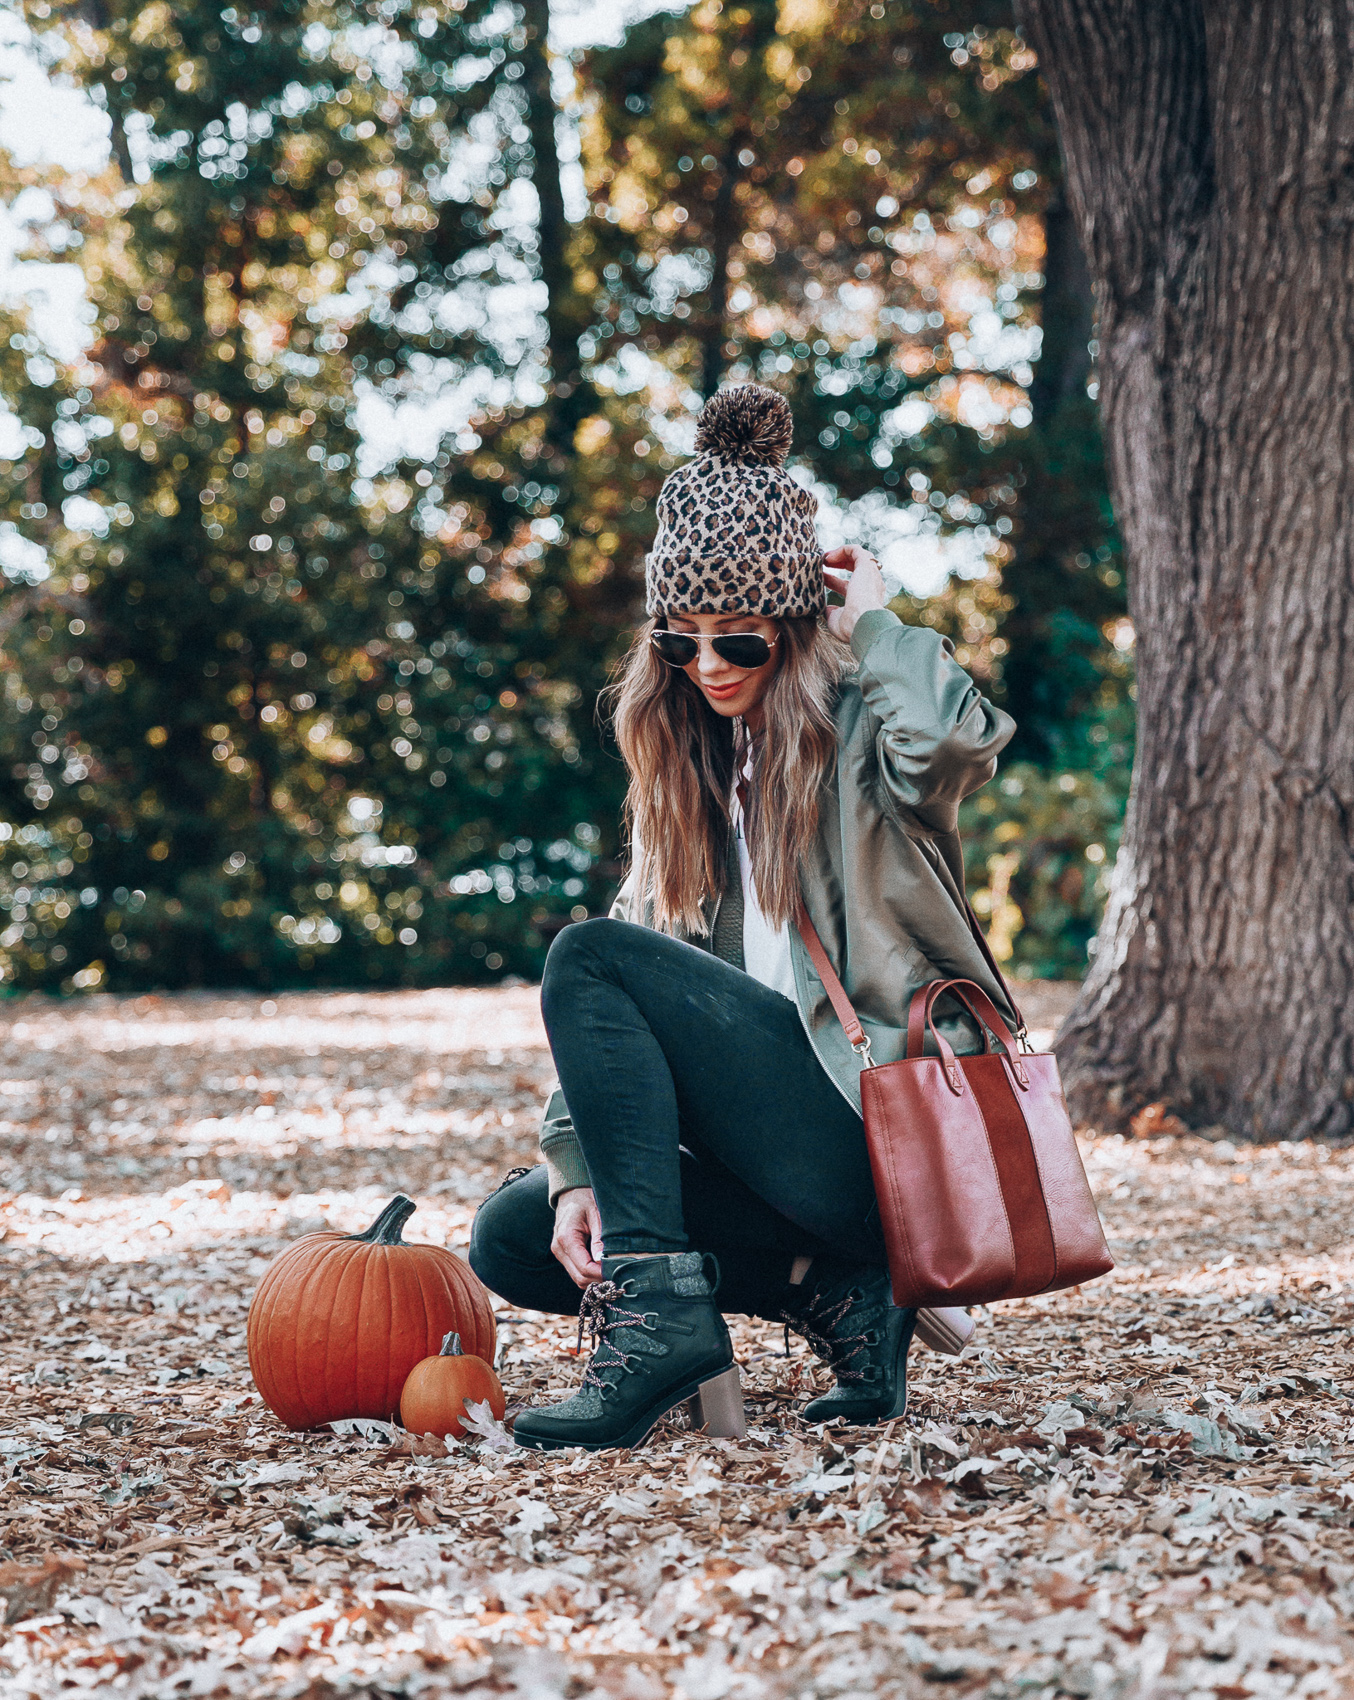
{"x": 746, "y": 422}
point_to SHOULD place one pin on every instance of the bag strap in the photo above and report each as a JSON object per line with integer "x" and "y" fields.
{"x": 836, "y": 992}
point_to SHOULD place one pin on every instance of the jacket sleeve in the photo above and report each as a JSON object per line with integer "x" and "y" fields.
{"x": 560, "y": 1151}
{"x": 937, "y": 736}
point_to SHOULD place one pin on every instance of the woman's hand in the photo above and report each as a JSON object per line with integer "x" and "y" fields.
{"x": 854, "y": 574}
{"x": 578, "y": 1235}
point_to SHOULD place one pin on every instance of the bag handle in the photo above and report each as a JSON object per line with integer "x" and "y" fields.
{"x": 919, "y": 1015}
{"x": 954, "y": 1078}
{"x": 920, "y": 1018}
{"x": 974, "y": 999}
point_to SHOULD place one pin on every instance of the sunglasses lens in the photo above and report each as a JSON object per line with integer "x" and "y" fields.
{"x": 676, "y": 648}
{"x": 745, "y": 650}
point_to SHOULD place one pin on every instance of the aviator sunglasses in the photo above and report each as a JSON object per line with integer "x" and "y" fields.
{"x": 745, "y": 650}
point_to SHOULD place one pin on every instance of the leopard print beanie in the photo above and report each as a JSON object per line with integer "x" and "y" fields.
{"x": 735, "y": 532}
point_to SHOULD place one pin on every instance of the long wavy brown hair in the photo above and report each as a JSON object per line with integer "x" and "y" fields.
{"x": 681, "y": 758}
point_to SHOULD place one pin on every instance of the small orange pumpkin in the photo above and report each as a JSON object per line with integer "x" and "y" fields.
{"x": 439, "y": 1389}
{"x": 339, "y": 1320}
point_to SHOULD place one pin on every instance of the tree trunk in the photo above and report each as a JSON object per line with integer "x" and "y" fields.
{"x": 1059, "y": 608}
{"x": 726, "y": 230}
{"x": 564, "y": 313}
{"x": 728, "y": 220}
{"x": 1067, "y": 317}
{"x": 95, "y": 14}
{"x": 1208, "y": 162}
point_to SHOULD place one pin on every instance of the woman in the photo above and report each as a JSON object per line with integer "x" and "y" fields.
{"x": 705, "y": 1149}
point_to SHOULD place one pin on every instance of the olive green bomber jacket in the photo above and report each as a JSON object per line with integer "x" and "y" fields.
{"x": 884, "y": 885}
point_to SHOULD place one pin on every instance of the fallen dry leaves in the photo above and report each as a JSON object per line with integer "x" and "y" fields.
{"x": 1138, "y": 1490}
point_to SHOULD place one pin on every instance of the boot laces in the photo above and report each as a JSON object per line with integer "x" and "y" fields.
{"x": 820, "y": 1323}
{"x": 600, "y": 1314}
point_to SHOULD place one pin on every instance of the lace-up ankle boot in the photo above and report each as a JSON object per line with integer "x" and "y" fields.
{"x": 847, "y": 1315}
{"x": 657, "y": 1339}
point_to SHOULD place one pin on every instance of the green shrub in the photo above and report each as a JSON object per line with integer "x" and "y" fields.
{"x": 1038, "y": 849}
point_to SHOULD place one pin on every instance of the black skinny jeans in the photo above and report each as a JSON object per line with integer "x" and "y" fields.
{"x": 659, "y": 1047}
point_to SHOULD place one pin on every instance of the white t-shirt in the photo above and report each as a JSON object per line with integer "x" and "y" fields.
{"x": 766, "y": 949}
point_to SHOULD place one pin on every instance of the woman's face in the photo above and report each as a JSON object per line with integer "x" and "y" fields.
{"x": 729, "y": 690}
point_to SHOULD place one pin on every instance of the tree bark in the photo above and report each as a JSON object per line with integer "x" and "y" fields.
{"x": 1208, "y": 153}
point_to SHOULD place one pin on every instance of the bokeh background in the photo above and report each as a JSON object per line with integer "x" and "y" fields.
{"x": 344, "y": 349}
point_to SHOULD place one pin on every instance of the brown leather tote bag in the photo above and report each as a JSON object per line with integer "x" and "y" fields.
{"x": 982, "y": 1193}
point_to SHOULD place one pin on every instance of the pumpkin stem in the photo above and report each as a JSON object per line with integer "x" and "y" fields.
{"x": 451, "y": 1347}
{"x": 385, "y": 1230}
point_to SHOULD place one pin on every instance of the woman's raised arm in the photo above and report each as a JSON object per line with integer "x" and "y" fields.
{"x": 938, "y": 736}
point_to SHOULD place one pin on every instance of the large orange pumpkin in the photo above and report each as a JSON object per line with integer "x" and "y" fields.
{"x": 439, "y": 1389}
{"x": 339, "y": 1320}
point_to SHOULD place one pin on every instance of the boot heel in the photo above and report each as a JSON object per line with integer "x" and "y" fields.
{"x": 717, "y": 1409}
{"x": 945, "y": 1330}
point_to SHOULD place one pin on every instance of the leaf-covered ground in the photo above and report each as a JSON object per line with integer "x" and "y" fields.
{"x": 1138, "y": 1490}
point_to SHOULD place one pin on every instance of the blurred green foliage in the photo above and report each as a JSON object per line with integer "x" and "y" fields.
{"x": 285, "y": 708}
{"x": 1039, "y": 848}
{"x": 274, "y": 714}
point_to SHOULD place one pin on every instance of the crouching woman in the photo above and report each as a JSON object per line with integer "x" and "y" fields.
{"x": 705, "y": 1151}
